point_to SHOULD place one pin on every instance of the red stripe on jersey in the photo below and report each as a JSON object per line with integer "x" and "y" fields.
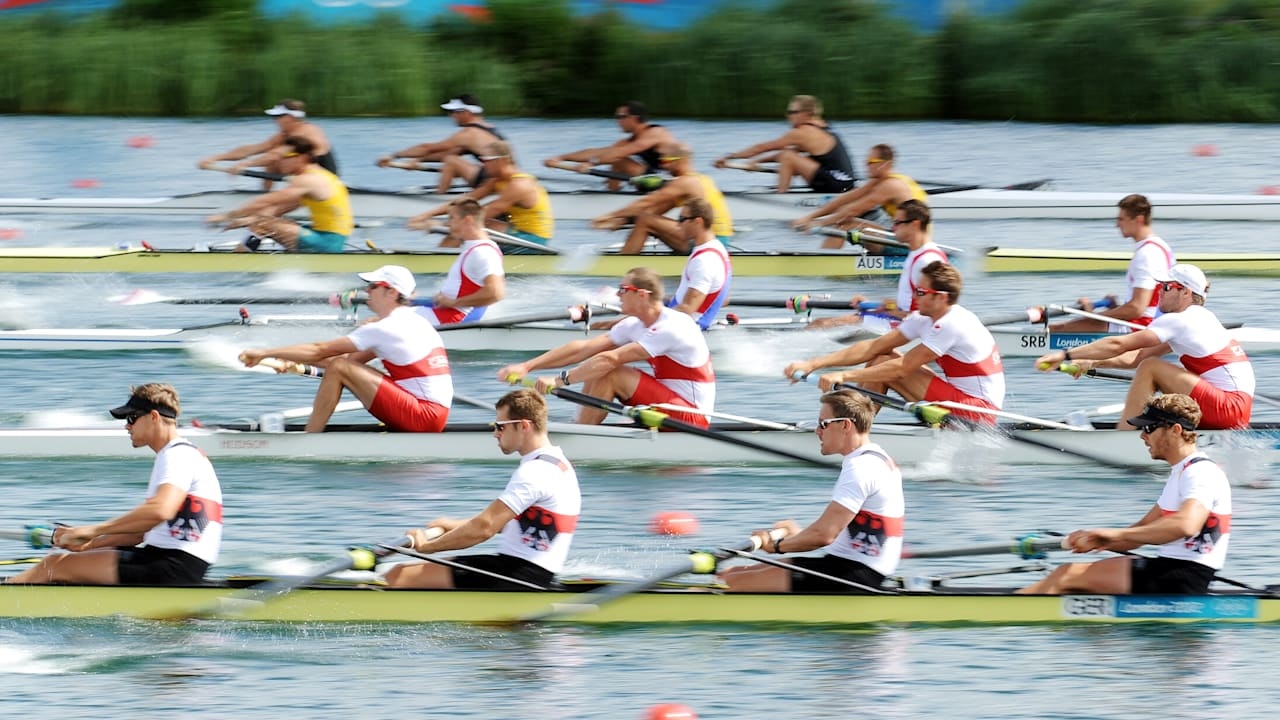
{"x": 664, "y": 368}
{"x": 953, "y": 368}
{"x": 547, "y": 518}
{"x": 1232, "y": 353}
{"x": 435, "y": 363}
{"x": 878, "y": 524}
{"x": 195, "y": 505}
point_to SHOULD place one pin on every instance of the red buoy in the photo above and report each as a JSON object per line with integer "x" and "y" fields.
{"x": 671, "y": 711}
{"x": 673, "y": 522}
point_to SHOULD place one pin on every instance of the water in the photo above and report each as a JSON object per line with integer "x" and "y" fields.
{"x": 278, "y": 511}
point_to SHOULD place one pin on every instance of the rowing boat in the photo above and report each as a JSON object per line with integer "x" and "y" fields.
{"x": 816, "y": 263}
{"x": 744, "y": 206}
{"x": 1039, "y": 260}
{"x": 1030, "y": 341}
{"x": 368, "y": 605}
{"x": 910, "y": 445}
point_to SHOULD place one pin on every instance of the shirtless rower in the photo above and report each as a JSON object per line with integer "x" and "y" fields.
{"x": 1152, "y": 260}
{"x": 950, "y": 336}
{"x": 647, "y": 214}
{"x": 473, "y": 134}
{"x": 884, "y": 188}
{"x": 810, "y": 150}
{"x": 291, "y": 121}
{"x": 521, "y": 209}
{"x": 310, "y": 186}
{"x": 668, "y": 340}
{"x": 1213, "y": 369}
{"x": 636, "y": 154}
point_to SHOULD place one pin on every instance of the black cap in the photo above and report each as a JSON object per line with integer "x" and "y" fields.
{"x": 1155, "y": 417}
{"x": 139, "y": 404}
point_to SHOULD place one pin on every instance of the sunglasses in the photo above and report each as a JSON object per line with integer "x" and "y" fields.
{"x": 822, "y": 424}
{"x": 687, "y": 218}
{"x": 794, "y": 112}
{"x": 1148, "y": 429}
{"x": 375, "y": 285}
{"x": 921, "y": 292}
{"x": 132, "y": 418}
{"x": 876, "y": 161}
{"x": 620, "y": 116}
{"x": 896, "y": 223}
{"x": 624, "y": 288}
{"x": 500, "y": 424}
{"x": 1171, "y": 286}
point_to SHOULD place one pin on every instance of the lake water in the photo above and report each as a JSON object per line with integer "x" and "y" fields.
{"x": 278, "y": 511}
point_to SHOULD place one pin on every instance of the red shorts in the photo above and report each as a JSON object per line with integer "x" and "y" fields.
{"x": 650, "y": 391}
{"x": 940, "y": 389}
{"x": 403, "y": 411}
{"x": 1221, "y": 409}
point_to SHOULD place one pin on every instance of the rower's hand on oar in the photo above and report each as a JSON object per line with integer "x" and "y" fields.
{"x": 1094, "y": 539}
{"x": 1076, "y": 368}
{"x": 207, "y": 164}
{"x": 797, "y": 371}
{"x": 767, "y": 540}
{"x": 802, "y": 224}
{"x": 1050, "y": 361}
{"x": 250, "y": 358}
{"x": 513, "y": 374}
{"x": 385, "y": 161}
{"x": 826, "y": 383}
{"x": 423, "y": 535}
{"x": 423, "y": 222}
{"x": 608, "y": 222}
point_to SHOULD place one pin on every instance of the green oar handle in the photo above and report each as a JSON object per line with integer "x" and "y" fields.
{"x": 37, "y": 536}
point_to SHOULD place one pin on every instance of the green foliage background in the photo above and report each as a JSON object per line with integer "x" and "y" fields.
{"x": 1050, "y": 60}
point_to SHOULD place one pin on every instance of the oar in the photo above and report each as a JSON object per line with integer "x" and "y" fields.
{"x": 413, "y": 165}
{"x": 37, "y": 536}
{"x": 658, "y": 419}
{"x": 238, "y": 603}
{"x": 943, "y": 187}
{"x": 700, "y": 562}
{"x": 1121, "y": 376}
{"x": 259, "y": 174}
{"x": 148, "y": 297}
{"x": 575, "y": 314}
{"x": 1040, "y": 314}
{"x": 875, "y": 235}
{"x": 1027, "y": 547}
{"x": 289, "y": 367}
{"x": 459, "y": 566}
{"x": 646, "y": 183}
{"x": 725, "y": 416}
{"x": 505, "y": 239}
{"x": 802, "y": 303}
{"x": 934, "y": 414}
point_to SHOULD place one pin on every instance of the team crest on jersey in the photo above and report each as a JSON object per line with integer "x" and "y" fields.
{"x": 538, "y": 528}
{"x": 1207, "y": 539}
{"x": 190, "y": 522}
{"x": 867, "y": 532}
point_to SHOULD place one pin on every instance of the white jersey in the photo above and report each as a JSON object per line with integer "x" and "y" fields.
{"x": 477, "y": 260}
{"x": 1150, "y": 265}
{"x": 197, "y": 528}
{"x": 543, "y": 493}
{"x": 870, "y": 485}
{"x": 412, "y": 353}
{"x": 966, "y": 351}
{"x": 913, "y": 269}
{"x": 678, "y": 354}
{"x": 707, "y": 271}
{"x": 1206, "y": 348}
{"x": 1199, "y": 478}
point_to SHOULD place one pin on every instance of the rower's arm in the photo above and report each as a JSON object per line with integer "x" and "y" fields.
{"x": 302, "y": 352}
{"x": 130, "y": 527}
{"x": 854, "y": 354}
{"x": 780, "y": 143}
{"x": 606, "y": 362}
{"x": 493, "y": 290}
{"x": 691, "y": 301}
{"x": 473, "y": 531}
{"x": 243, "y": 151}
{"x": 887, "y": 371}
{"x": 1155, "y": 528}
{"x": 822, "y": 532}
{"x": 276, "y": 202}
{"x": 1133, "y": 308}
{"x": 627, "y": 147}
{"x": 570, "y": 353}
{"x": 856, "y": 195}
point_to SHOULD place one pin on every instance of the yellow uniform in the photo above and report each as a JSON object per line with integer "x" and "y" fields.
{"x": 332, "y": 215}
{"x": 917, "y": 193}
{"x": 537, "y": 220}
{"x": 723, "y": 226}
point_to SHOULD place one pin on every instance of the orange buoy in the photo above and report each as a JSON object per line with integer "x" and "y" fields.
{"x": 671, "y": 711}
{"x": 1269, "y": 190}
{"x": 84, "y": 183}
{"x": 673, "y": 522}
{"x": 140, "y": 141}
{"x": 1205, "y": 150}
{"x": 10, "y": 233}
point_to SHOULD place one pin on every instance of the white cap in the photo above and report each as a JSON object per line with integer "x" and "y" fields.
{"x": 1190, "y": 277}
{"x": 466, "y": 102}
{"x": 397, "y": 276}
{"x": 282, "y": 110}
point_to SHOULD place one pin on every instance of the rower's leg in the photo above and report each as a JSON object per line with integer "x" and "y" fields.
{"x": 792, "y": 163}
{"x": 91, "y": 567}
{"x": 420, "y": 575}
{"x": 758, "y": 577}
{"x": 628, "y": 167}
{"x": 1154, "y": 375}
{"x": 341, "y": 374}
{"x": 659, "y": 226}
{"x": 620, "y": 383}
{"x": 1110, "y": 576}
{"x": 455, "y": 166}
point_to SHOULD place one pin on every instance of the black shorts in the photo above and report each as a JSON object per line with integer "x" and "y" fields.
{"x": 481, "y": 176}
{"x": 512, "y": 567}
{"x": 160, "y": 566}
{"x": 851, "y": 570}
{"x": 824, "y": 182}
{"x": 1169, "y": 576}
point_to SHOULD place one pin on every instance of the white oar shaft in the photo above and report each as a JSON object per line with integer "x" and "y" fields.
{"x": 1096, "y": 316}
{"x": 951, "y": 405}
{"x": 300, "y": 412}
{"x": 668, "y": 407}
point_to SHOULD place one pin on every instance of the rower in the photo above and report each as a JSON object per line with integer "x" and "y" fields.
{"x": 476, "y": 279}
{"x": 861, "y": 527}
{"x": 521, "y": 208}
{"x": 884, "y": 188}
{"x": 668, "y": 340}
{"x": 536, "y": 514}
{"x": 1214, "y": 370}
{"x": 1152, "y": 260}
{"x": 415, "y": 393}
{"x": 1190, "y": 522}
{"x": 173, "y": 537}
{"x": 912, "y": 225}
{"x": 647, "y": 214}
{"x": 291, "y": 121}
{"x": 950, "y": 336}
{"x": 310, "y": 186}
{"x": 636, "y": 154}
{"x": 473, "y": 134}
{"x": 810, "y": 150}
